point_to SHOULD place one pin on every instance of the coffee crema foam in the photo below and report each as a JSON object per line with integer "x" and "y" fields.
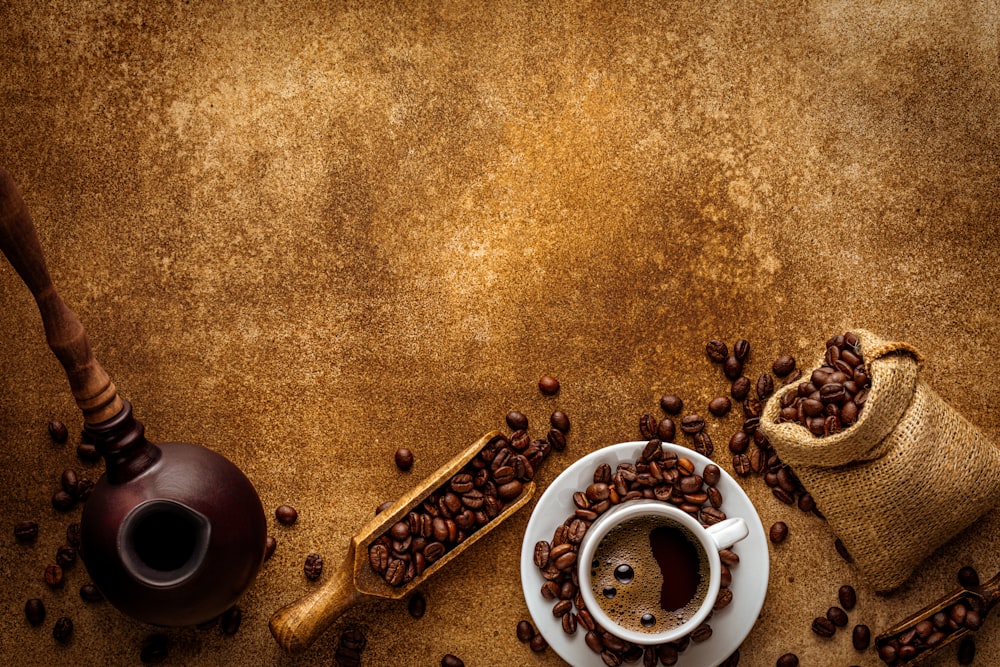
{"x": 629, "y": 544}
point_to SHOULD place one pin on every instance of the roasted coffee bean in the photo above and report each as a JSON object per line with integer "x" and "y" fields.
{"x": 740, "y": 388}
{"x": 542, "y": 549}
{"x": 786, "y": 480}
{"x": 286, "y": 515}
{"x": 671, "y": 404}
{"x": 154, "y": 649}
{"x": 739, "y": 442}
{"x": 823, "y": 627}
{"x": 711, "y": 474}
{"x": 548, "y": 385}
{"x": 703, "y": 444}
{"x": 384, "y": 506}
{"x": 788, "y": 660}
{"x": 666, "y": 430}
{"x": 597, "y": 492}
{"x": 861, "y": 637}
{"x": 783, "y": 365}
{"x": 692, "y": 423}
{"x": 87, "y": 453}
{"x": 701, "y": 633}
{"x": 65, "y": 556}
{"x": 847, "y": 596}
{"x": 724, "y": 598}
{"x": 729, "y": 557}
{"x": 888, "y": 653}
{"x": 560, "y": 421}
{"x": 556, "y": 439}
{"x": 758, "y": 461}
{"x": 569, "y": 623}
{"x": 510, "y": 490}
{"x": 732, "y": 368}
{"x": 538, "y": 643}
{"x": 794, "y": 376}
{"x": 716, "y": 351}
{"x": 516, "y": 421}
{"x": 562, "y": 607}
{"x": 782, "y": 495}
{"x": 90, "y": 593}
{"x": 968, "y": 577}
{"x": 837, "y": 616}
{"x": 54, "y": 576}
{"x": 973, "y": 620}
{"x": 741, "y": 464}
{"x": 58, "y": 432}
{"x": 62, "y": 631}
{"x": 62, "y": 501}
{"x": 765, "y": 386}
{"x": 34, "y": 611}
{"x": 26, "y": 532}
{"x": 611, "y": 659}
{"x": 69, "y": 481}
{"x": 417, "y": 605}
{"x": 966, "y": 651}
{"x": 778, "y": 532}
{"x": 720, "y": 406}
{"x": 806, "y": 502}
{"x": 403, "y": 458}
{"x": 603, "y": 473}
{"x": 741, "y": 349}
{"x": 550, "y": 590}
{"x": 648, "y": 426}
{"x": 313, "y": 567}
{"x": 525, "y": 631}
{"x": 519, "y": 440}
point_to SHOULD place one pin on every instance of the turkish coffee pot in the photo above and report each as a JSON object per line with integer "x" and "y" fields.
{"x": 173, "y": 533}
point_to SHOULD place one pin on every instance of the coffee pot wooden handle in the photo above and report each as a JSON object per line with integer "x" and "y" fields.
{"x": 93, "y": 390}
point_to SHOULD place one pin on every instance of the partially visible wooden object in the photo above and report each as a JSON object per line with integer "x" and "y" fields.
{"x": 93, "y": 390}
{"x": 298, "y": 625}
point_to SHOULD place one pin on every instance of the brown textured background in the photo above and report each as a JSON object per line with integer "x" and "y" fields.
{"x": 305, "y": 235}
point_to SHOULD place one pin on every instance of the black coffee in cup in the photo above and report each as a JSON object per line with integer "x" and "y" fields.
{"x": 650, "y": 574}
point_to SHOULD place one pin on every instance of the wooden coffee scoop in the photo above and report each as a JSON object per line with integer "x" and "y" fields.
{"x": 298, "y": 625}
{"x": 979, "y": 598}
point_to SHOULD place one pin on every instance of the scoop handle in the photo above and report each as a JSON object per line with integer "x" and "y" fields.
{"x": 296, "y": 626}
{"x": 93, "y": 390}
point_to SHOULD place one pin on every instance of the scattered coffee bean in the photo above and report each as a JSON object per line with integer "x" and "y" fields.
{"x": 548, "y": 385}
{"x": 739, "y": 442}
{"x": 778, "y": 532}
{"x": 716, "y": 351}
{"x": 69, "y": 481}
{"x": 62, "y": 631}
{"x": 34, "y": 611}
{"x": 861, "y": 637}
{"x": 270, "y": 544}
{"x": 62, "y": 501}
{"x": 765, "y": 387}
{"x": 823, "y": 627}
{"x": 90, "y": 593}
{"x": 783, "y": 365}
{"x": 84, "y": 487}
{"x": 516, "y": 421}
{"x": 968, "y": 577}
{"x": 740, "y": 388}
{"x": 671, "y": 404}
{"x": 73, "y": 535}
{"x": 525, "y": 631}
{"x": 966, "y": 651}
{"x": 286, "y": 515}
{"x": 732, "y": 368}
{"x": 788, "y": 660}
{"x": 720, "y": 406}
{"x": 837, "y": 616}
{"x": 450, "y": 660}
{"x": 65, "y": 556}
{"x": 538, "y": 643}
{"x": 54, "y": 576}
{"x": 741, "y": 349}
{"x": 417, "y": 605}
{"x": 26, "y": 532}
{"x": 313, "y": 567}
{"x": 230, "y": 621}
{"x": 154, "y": 649}
{"x": 559, "y": 421}
{"x": 404, "y": 459}
{"x": 87, "y": 453}
{"x": 847, "y": 596}
{"x": 58, "y": 432}
{"x": 666, "y": 430}
{"x": 692, "y": 423}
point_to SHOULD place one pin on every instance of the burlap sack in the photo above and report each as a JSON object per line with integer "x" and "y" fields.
{"x": 904, "y": 479}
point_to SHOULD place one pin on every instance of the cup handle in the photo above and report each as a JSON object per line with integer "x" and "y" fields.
{"x": 727, "y": 533}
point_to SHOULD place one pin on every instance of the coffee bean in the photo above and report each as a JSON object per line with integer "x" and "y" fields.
{"x": 65, "y": 556}
{"x": 671, "y": 404}
{"x": 69, "y": 482}
{"x": 548, "y": 385}
{"x": 417, "y": 605}
{"x": 741, "y": 464}
{"x": 666, "y": 430}
{"x": 741, "y": 349}
{"x": 783, "y": 365}
{"x": 58, "y": 432}
{"x": 286, "y": 515}
{"x": 701, "y": 633}
{"x": 765, "y": 386}
{"x": 968, "y": 577}
{"x": 720, "y": 406}
{"x": 823, "y": 627}
{"x": 648, "y": 425}
{"x": 26, "y": 532}
{"x": 154, "y": 649}
{"x": 403, "y": 458}
{"x": 861, "y": 637}
{"x": 692, "y": 423}
{"x": 740, "y": 388}
{"x": 516, "y": 421}
{"x": 538, "y": 643}
{"x": 54, "y": 576}
{"x": 703, "y": 444}
{"x": 837, "y": 616}
{"x": 73, "y": 535}
{"x": 716, "y": 351}
{"x": 560, "y": 421}
{"x": 788, "y": 660}
{"x": 711, "y": 474}
{"x": 973, "y": 620}
{"x": 847, "y": 596}
{"x": 62, "y": 501}
{"x": 90, "y": 593}
{"x": 778, "y": 532}
{"x": 724, "y": 598}
{"x": 732, "y": 368}
{"x": 34, "y": 611}
{"x": 888, "y": 653}
{"x": 313, "y": 567}
{"x": 231, "y": 619}
{"x": 270, "y": 544}
{"x": 556, "y": 439}
{"x": 806, "y": 502}
{"x": 739, "y": 442}
{"x": 450, "y": 660}
{"x": 525, "y": 631}
{"x": 62, "y": 631}
{"x": 966, "y": 651}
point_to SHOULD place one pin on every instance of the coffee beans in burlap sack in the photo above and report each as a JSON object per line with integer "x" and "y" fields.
{"x": 909, "y": 475}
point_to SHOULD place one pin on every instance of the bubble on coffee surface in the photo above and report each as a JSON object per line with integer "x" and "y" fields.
{"x": 627, "y": 577}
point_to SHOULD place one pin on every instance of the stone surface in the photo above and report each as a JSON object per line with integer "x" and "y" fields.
{"x": 306, "y": 236}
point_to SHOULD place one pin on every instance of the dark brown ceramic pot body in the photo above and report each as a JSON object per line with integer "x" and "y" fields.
{"x": 173, "y": 533}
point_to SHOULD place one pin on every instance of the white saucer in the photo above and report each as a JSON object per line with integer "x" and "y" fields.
{"x": 730, "y": 625}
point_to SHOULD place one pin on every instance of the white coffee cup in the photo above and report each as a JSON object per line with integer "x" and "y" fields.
{"x": 706, "y": 541}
